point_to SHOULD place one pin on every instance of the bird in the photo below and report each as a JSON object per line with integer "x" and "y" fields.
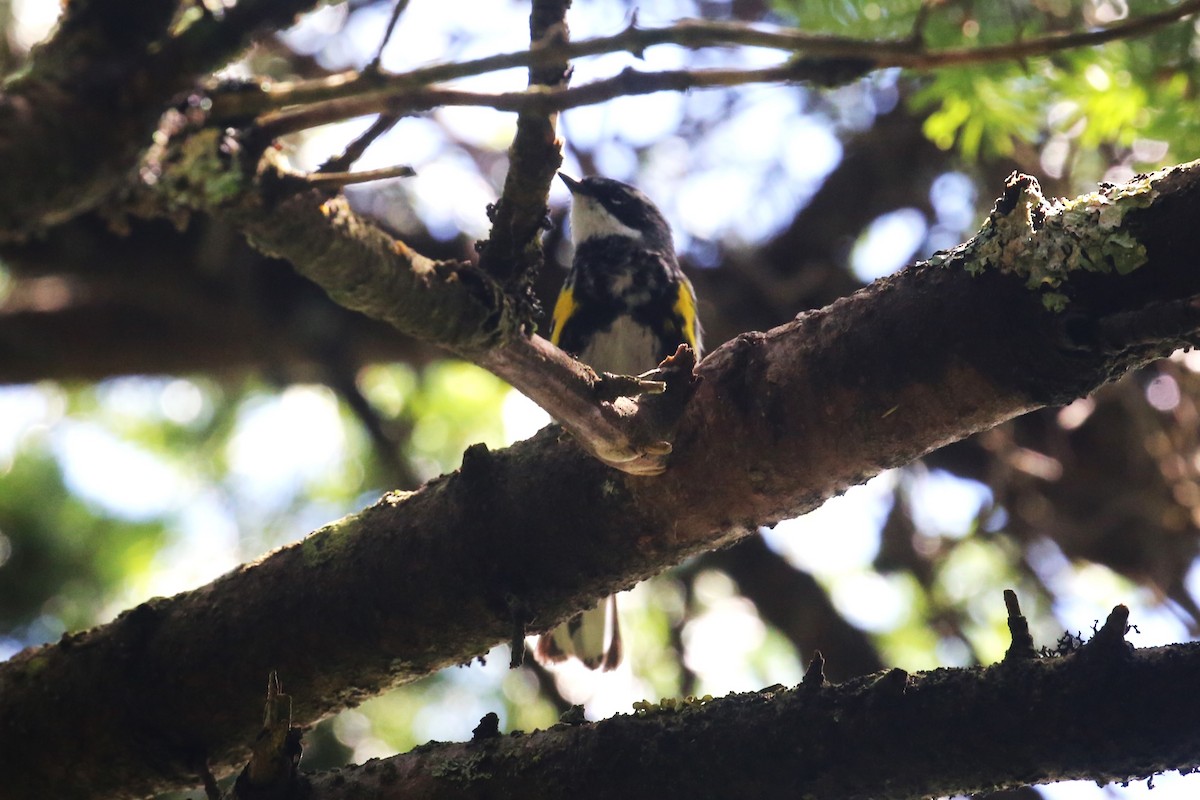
{"x": 624, "y": 307}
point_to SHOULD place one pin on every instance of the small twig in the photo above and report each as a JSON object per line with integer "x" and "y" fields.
{"x": 1018, "y": 627}
{"x": 1110, "y": 639}
{"x": 336, "y": 180}
{"x": 611, "y": 386}
{"x": 693, "y": 34}
{"x": 814, "y": 676}
{"x": 397, "y": 10}
{"x": 488, "y": 727}
{"x": 355, "y": 149}
{"x": 275, "y": 754}
{"x": 518, "y": 615}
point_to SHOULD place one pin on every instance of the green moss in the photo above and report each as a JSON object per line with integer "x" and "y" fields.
{"x": 477, "y": 766}
{"x": 323, "y": 544}
{"x": 203, "y": 175}
{"x": 35, "y": 666}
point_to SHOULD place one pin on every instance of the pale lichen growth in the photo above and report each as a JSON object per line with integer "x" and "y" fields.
{"x": 1044, "y": 241}
{"x": 669, "y": 705}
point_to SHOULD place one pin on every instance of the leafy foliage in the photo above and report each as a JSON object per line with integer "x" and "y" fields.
{"x": 64, "y": 559}
{"x": 1112, "y": 96}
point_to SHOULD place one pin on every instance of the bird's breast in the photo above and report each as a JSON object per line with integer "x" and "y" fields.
{"x": 626, "y": 347}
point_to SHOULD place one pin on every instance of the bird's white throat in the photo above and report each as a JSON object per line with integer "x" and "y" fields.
{"x": 590, "y": 220}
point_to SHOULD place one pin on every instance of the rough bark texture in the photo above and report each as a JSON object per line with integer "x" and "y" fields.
{"x": 1102, "y": 713}
{"x": 364, "y": 269}
{"x": 513, "y": 252}
{"x": 74, "y": 123}
{"x": 781, "y": 420}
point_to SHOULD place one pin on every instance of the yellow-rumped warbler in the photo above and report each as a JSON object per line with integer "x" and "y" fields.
{"x": 624, "y": 307}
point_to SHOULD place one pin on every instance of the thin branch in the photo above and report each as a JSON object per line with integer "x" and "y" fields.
{"x": 397, "y": 10}
{"x": 354, "y": 151}
{"x": 512, "y": 253}
{"x": 629, "y": 82}
{"x": 695, "y": 35}
{"x": 336, "y": 180}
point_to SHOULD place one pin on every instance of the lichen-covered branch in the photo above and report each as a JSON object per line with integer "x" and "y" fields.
{"x": 453, "y": 304}
{"x": 449, "y": 303}
{"x": 1045, "y": 242}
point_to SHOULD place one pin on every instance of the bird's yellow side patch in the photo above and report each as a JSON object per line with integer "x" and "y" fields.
{"x": 564, "y": 307}
{"x": 685, "y": 309}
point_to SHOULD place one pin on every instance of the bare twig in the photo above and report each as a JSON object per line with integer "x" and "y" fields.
{"x": 211, "y": 790}
{"x": 397, "y": 10}
{"x": 355, "y": 149}
{"x": 539, "y": 100}
{"x": 693, "y": 34}
{"x": 336, "y": 180}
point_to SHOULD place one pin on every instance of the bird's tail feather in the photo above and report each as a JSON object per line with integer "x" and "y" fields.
{"x": 592, "y": 636}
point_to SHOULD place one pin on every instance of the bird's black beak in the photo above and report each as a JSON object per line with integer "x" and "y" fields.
{"x": 571, "y": 183}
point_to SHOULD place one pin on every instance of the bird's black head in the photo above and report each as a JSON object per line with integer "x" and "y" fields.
{"x": 603, "y": 207}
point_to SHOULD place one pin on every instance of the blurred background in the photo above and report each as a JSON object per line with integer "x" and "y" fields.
{"x": 173, "y": 404}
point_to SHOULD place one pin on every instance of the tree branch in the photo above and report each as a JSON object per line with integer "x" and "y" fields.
{"x": 56, "y": 117}
{"x": 1104, "y": 713}
{"x": 453, "y": 304}
{"x": 693, "y": 34}
{"x": 780, "y": 421}
{"x": 541, "y": 101}
{"x": 512, "y": 253}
